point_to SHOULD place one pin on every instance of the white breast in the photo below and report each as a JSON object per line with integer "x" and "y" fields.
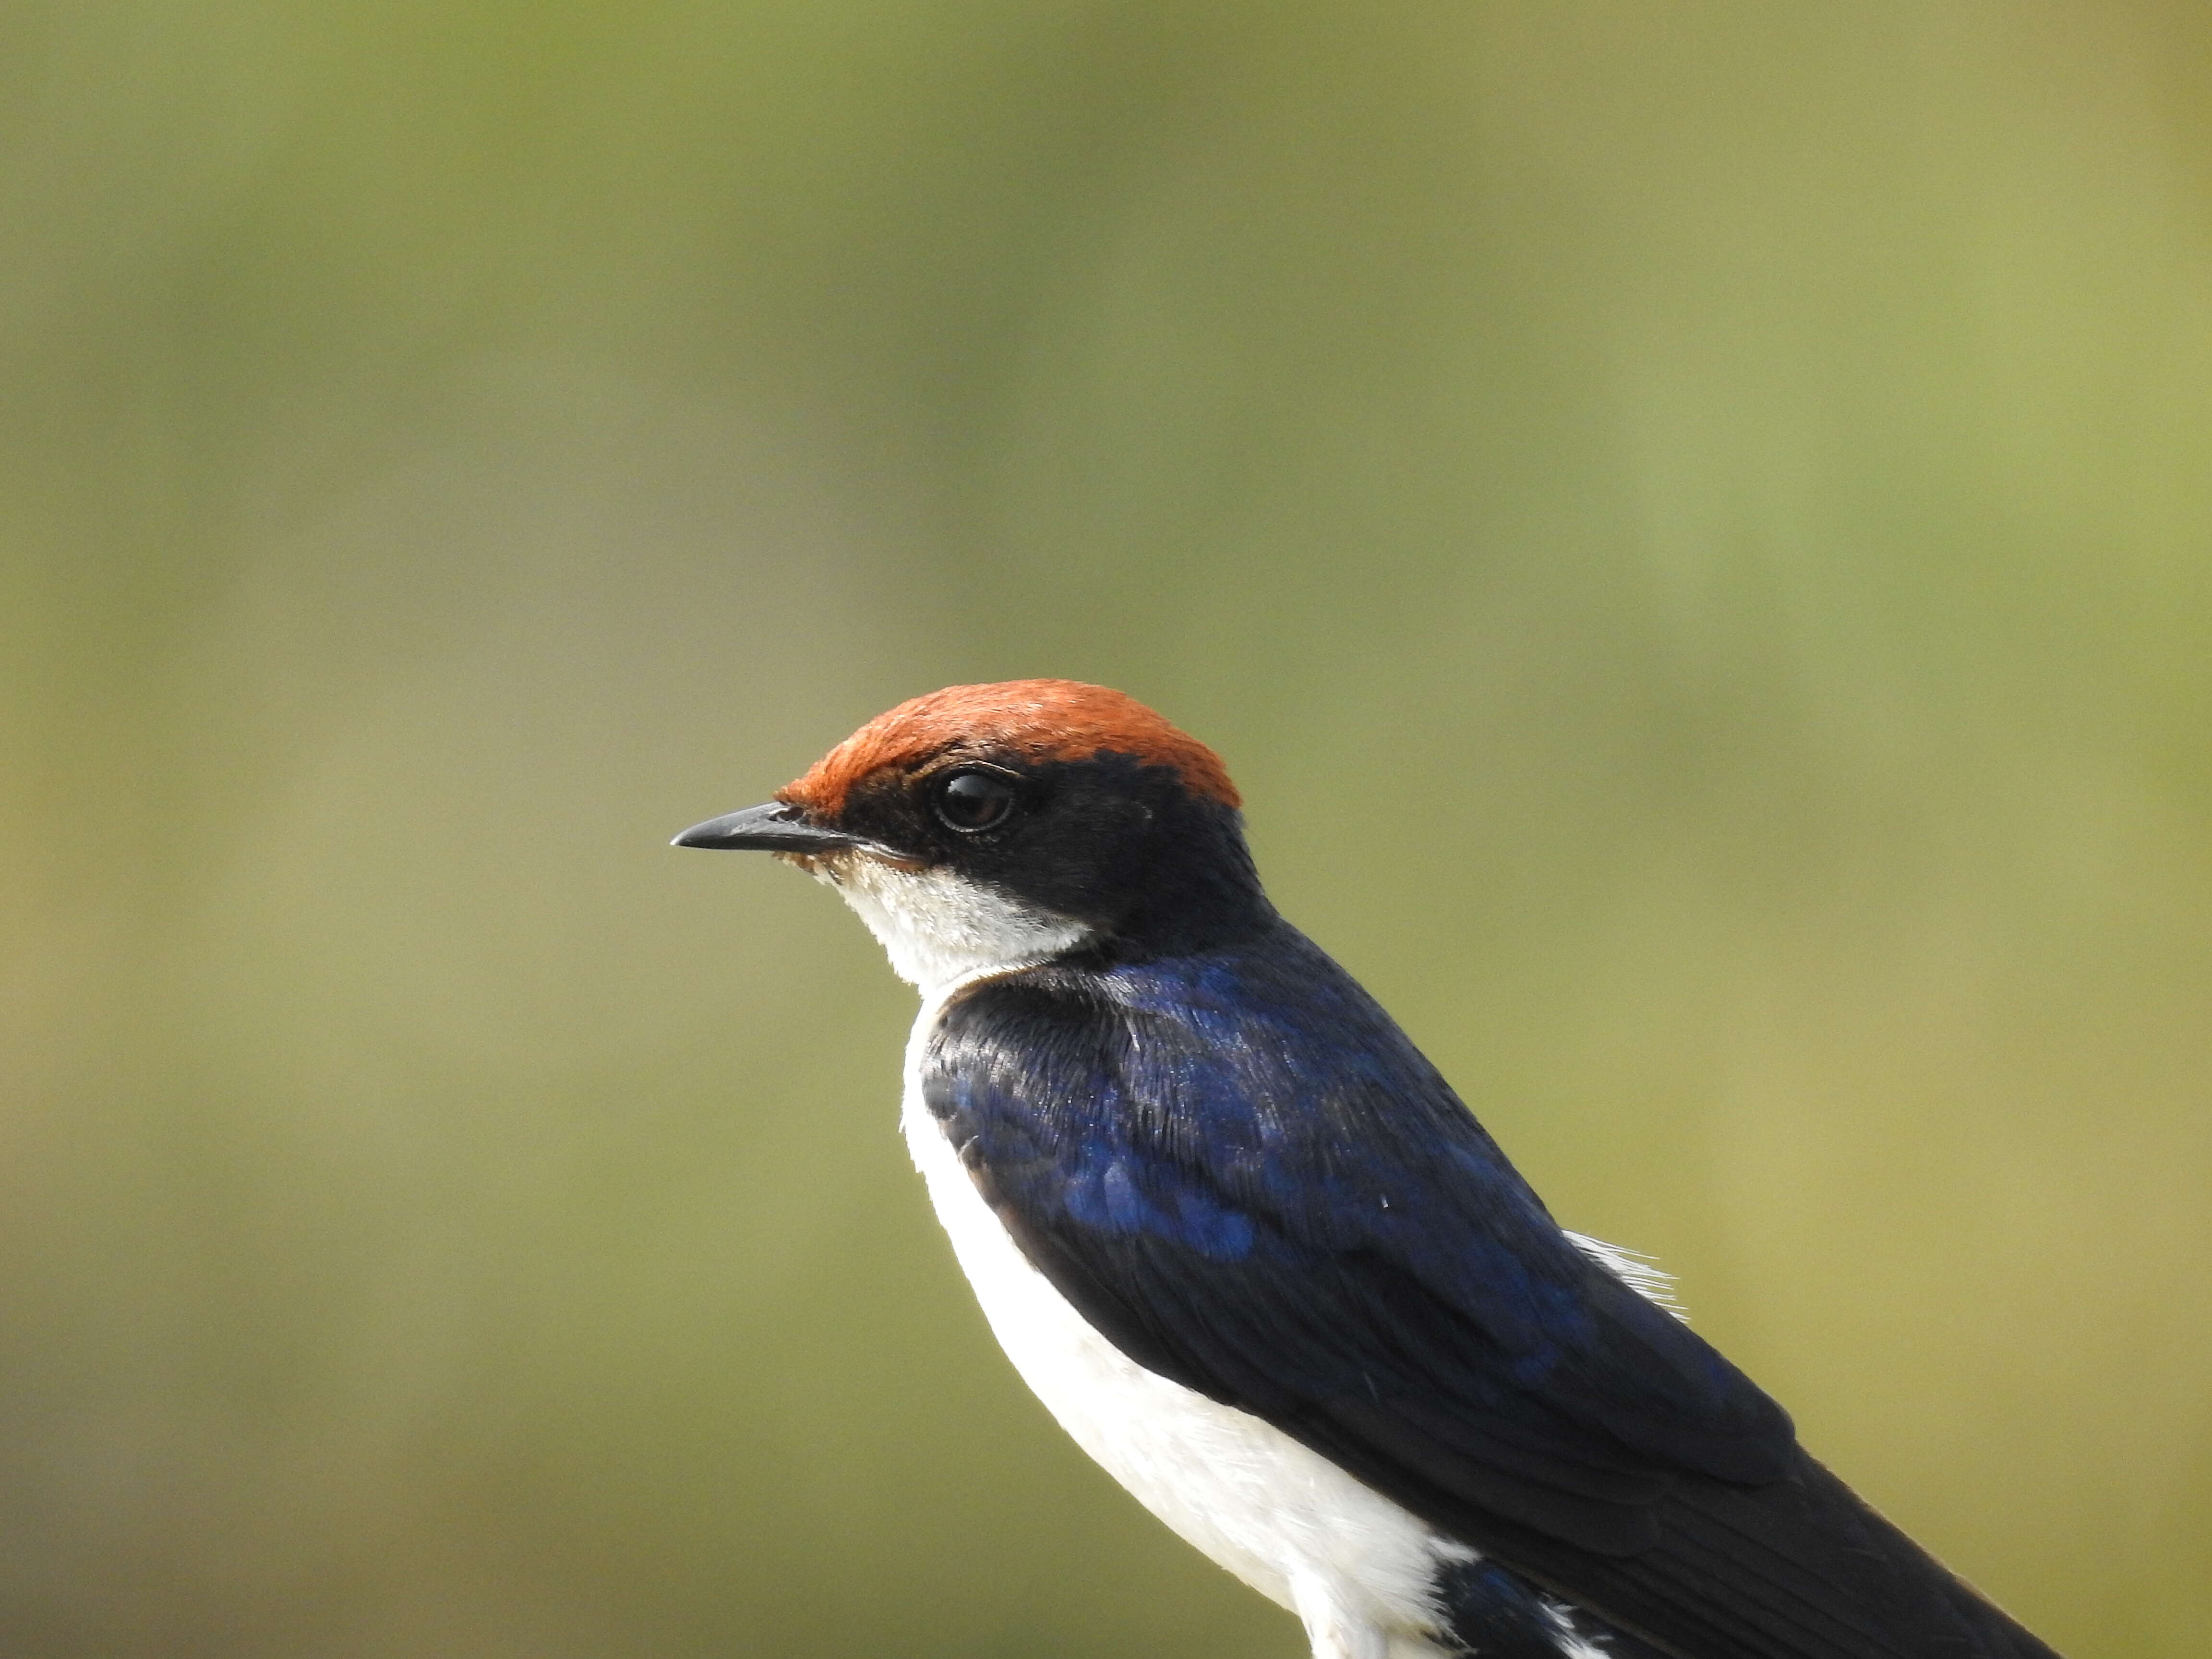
{"x": 1355, "y": 1566}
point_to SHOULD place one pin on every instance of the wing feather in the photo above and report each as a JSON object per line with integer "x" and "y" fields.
{"x": 1240, "y": 1170}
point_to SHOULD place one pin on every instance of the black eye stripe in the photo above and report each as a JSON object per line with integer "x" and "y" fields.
{"x": 972, "y": 800}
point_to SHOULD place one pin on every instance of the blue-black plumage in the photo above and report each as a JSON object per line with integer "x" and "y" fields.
{"x": 1238, "y": 1168}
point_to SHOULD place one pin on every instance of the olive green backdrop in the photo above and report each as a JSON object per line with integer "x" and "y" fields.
{"x": 1691, "y": 524}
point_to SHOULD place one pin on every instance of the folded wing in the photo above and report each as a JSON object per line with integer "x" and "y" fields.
{"x": 1249, "y": 1180}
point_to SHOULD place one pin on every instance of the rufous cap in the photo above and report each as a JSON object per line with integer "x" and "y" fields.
{"x": 1037, "y": 720}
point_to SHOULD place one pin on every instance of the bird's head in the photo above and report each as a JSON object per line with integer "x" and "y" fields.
{"x": 985, "y": 826}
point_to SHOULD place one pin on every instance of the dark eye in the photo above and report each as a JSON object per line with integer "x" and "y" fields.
{"x": 974, "y": 800}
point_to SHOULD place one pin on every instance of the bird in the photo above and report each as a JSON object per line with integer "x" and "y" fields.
{"x": 1258, "y": 1259}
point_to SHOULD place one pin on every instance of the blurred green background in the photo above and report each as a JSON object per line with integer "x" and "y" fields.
{"x": 1691, "y": 524}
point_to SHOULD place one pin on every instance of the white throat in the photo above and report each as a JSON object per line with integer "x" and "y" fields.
{"x": 938, "y": 927}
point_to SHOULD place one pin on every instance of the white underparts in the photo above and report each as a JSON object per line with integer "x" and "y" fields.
{"x": 938, "y": 927}
{"x": 1357, "y": 1569}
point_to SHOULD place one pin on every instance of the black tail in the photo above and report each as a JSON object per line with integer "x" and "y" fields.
{"x": 1802, "y": 1568}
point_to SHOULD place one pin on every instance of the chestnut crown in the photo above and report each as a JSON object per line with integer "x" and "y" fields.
{"x": 1070, "y": 799}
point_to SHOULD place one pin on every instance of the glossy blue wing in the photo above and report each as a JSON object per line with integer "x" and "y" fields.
{"x": 1240, "y": 1169}
{"x": 1241, "y": 1173}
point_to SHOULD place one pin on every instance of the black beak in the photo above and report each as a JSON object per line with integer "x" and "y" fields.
{"x": 774, "y": 828}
